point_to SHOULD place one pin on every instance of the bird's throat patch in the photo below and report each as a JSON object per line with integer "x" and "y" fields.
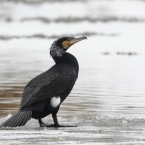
{"x": 66, "y": 44}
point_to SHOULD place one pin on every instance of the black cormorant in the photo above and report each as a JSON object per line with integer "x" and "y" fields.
{"x": 44, "y": 93}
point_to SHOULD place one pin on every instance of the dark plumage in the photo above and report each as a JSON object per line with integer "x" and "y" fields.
{"x": 44, "y": 93}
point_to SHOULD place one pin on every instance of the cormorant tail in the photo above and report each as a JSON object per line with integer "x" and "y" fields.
{"x": 18, "y": 119}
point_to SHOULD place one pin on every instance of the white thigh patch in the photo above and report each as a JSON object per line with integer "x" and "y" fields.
{"x": 55, "y": 101}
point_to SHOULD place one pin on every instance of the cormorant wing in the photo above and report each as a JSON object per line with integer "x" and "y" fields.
{"x": 54, "y": 82}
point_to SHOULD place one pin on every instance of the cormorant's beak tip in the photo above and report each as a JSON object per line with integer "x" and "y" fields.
{"x": 75, "y": 40}
{"x": 84, "y": 37}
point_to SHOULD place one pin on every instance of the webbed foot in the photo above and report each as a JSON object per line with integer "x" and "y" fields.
{"x": 56, "y": 125}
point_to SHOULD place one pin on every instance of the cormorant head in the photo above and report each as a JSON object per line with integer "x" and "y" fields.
{"x": 62, "y": 44}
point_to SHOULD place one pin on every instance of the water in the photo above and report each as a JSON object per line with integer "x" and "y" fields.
{"x": 107, "y": 102}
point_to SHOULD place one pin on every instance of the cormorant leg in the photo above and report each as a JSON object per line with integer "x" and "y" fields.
{"x": 42, "y": 124}
{"x": 56, "y": 124}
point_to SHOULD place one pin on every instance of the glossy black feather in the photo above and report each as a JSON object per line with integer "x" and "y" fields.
{"x": 54, "y": 82}
{"x": 18, "y": 119}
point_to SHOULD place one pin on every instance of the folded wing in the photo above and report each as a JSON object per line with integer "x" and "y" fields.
{"x": 54, "y": 82}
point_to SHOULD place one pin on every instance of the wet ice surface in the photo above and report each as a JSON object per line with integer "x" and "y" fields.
{"x": 95, "y": 130}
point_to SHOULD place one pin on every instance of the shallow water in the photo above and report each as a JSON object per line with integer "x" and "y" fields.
{"x": 111, "y": 77}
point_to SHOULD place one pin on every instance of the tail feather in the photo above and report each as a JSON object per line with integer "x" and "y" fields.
{"x": 10, "y": 119}
{"x": 18, "y": 119}
{"x": 13, "y": 119}
{"x": 25, "y": 119}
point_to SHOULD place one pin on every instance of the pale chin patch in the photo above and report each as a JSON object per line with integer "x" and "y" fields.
{"x": 55, "y": 101}
{"x": 66, "y": 45}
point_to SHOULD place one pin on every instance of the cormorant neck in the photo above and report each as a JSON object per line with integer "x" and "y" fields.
{"x": 67, "y": 58}
{"x": 56, "y": 51}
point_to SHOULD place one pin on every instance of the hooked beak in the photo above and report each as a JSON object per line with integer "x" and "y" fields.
{"x": 66, "y": 44}
{"x": 75, "y": 40}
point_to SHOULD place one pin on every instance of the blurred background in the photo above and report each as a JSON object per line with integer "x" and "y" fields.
{"x": 112, "y": 60}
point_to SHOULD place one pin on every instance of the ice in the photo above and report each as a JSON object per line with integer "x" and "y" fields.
{"x": 105, "y": 130}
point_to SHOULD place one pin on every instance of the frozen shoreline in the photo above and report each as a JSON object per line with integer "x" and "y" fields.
{"x": 102, "y": 131}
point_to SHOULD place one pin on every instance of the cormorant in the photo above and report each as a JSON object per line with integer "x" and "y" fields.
{"x": 44, "y": 93}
